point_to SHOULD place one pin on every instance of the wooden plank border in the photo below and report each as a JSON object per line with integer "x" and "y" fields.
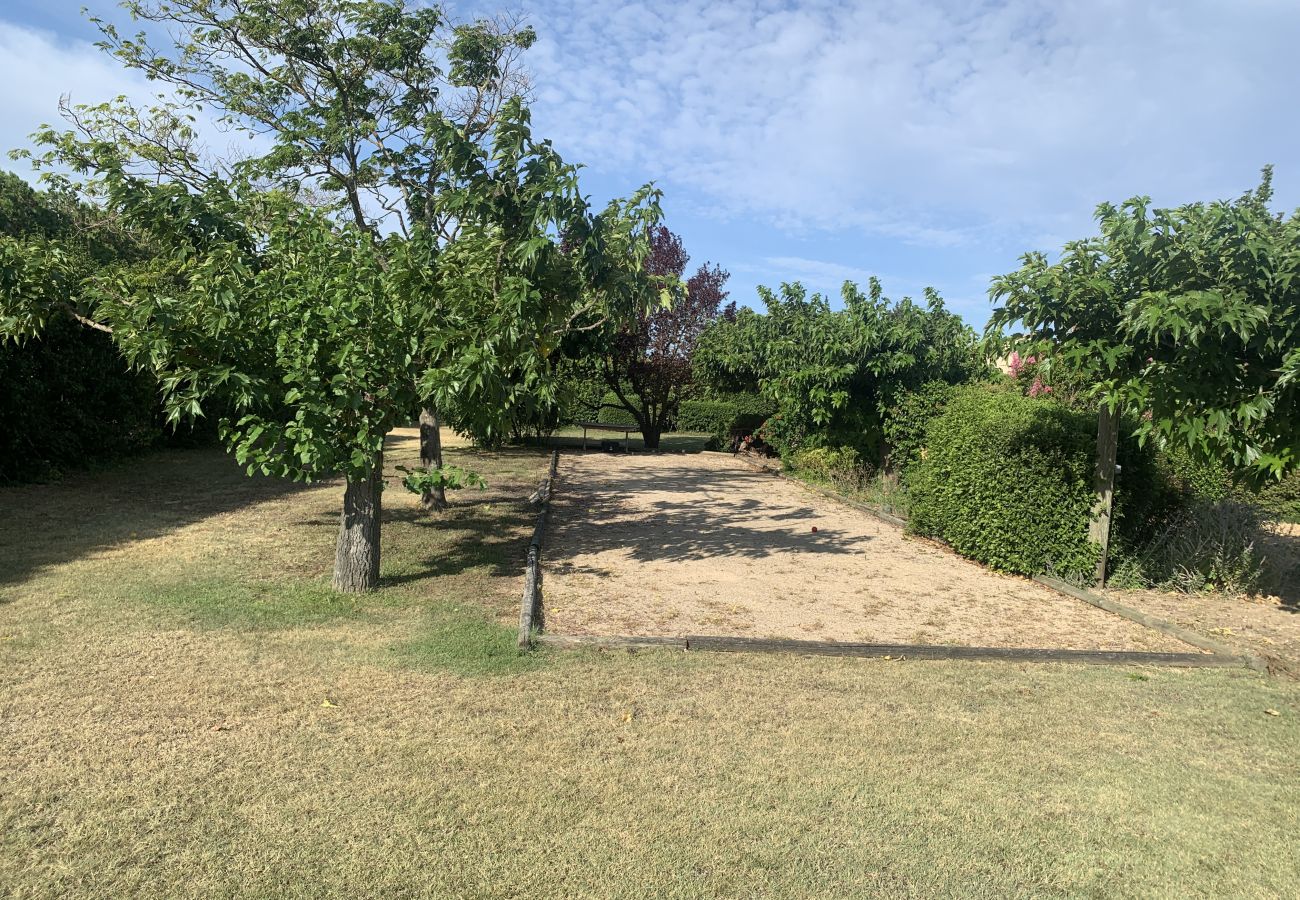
{"x": 1187, "y": 636}
{"x": 530, "y": 605}
{"x": 725, "y": 644}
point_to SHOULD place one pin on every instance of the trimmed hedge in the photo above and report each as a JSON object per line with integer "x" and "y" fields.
{"x": 1007, "y": 480}
{"x": 720, "y": 418}
{"x": 1282, "y": 498}
{"x": 724, "y": 417}
{"x": 907, "y": 420}
{"x": 611, "y": 413}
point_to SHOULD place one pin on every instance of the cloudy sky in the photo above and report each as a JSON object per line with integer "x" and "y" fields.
{"x": 929, "y": 142}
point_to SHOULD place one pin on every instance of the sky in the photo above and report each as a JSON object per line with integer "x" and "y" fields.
{"x": 927, "y": 142}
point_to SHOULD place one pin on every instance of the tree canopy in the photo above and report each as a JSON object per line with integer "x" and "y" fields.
{"x": 1189, "y": 316}
{"x": 400, "y": 238}
{"x": 833, "y": 372}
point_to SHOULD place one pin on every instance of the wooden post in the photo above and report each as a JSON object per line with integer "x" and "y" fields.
{"x": 1104, "y": 485}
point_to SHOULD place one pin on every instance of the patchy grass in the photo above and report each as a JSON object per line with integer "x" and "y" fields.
{"x": 184, "y": 711}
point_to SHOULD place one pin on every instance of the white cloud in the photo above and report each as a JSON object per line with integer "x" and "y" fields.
{"x": 37, "y": 69}
{"x": 931, "y": 122}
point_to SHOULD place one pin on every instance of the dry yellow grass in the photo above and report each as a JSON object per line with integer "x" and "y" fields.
{"x": 185, "y": 711}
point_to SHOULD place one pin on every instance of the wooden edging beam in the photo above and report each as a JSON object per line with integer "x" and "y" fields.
{"x": 531, "y": 603}
{"x": 1186, "y": 635}
{"x": 1230, "y": 654}
{"x": 725, "y": 644}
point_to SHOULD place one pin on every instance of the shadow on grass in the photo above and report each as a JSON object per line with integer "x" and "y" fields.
{"x": 45, "y": 525}
{"x": 493, "y": 544}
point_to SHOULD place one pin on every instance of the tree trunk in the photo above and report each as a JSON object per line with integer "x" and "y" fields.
{"x": 431, "y": 457}
{"x": 650, "y": 434}
{"x": 356, "y": 558}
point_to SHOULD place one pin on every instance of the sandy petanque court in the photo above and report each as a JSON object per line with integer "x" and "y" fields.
{"x": 675, "y": 545}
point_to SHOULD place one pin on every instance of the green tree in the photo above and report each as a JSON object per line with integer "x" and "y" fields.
{"x": 380, "y": 254}
{"x": 358, "y": 101}
{"x": 1189, "y": 317}
{"x": 833, "y": 373}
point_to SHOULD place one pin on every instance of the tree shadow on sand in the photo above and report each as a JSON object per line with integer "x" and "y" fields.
{"x": 703, "y": 519}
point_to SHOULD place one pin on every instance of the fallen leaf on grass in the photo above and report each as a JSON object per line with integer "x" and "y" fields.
{"x": 1271, "y": 712}
{"x": 328, "y": 702}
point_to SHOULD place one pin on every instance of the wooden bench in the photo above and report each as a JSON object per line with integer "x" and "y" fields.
{"x": 605, "y": 426}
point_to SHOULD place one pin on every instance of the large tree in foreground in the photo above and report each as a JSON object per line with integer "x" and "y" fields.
{"x": 271, "y": 286}
{"x": 647, "y": 361}
{"x": 354, "y": 101}
{"x": 1189, "y": 317}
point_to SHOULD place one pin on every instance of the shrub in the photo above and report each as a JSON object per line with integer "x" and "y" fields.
{"x": 725, "y": 417}
{"x": 1205, "y": 544}
{"x": 1281, "y": 498}
{"x": 906, "y": 421}
{"x": 611, "y": 413}
{"x": 1007, "y": 480}
{"x": 839, "y": 466}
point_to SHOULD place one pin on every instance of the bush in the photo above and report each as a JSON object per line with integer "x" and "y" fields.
{"x": 1205, "y": 544}
{"x": 906, "y": 421}
{"x": 725, "y": 417}
{"x": 839, "y": 466}
{"x": 612, "y": 413}
{"x": 1007, "y": 480}
{"x": 70, "y": 400}
{"x": 1281, "y": 499}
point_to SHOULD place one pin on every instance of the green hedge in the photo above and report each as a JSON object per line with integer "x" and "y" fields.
{"x": 724, "y": 417}
{"x": 906, "y": 422}
{"x": 612, "y": 414}
{"x": 1282, "y": 498}
{"x": 1007, "y": 480}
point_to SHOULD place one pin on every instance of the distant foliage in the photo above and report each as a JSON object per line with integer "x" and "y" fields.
{"x": 724, "y": 418}
{"x": 832, "y": 373}
{"x": 829, "y": 465}
{"x": 1282, "y": 498}
{"x": 70, "y": 398}
{"x": 647, "y": 359}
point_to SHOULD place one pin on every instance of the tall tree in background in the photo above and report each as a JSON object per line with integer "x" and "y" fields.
{"x": 647, "y": 365}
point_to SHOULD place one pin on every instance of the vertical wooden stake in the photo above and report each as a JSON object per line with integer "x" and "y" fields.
{"x": 1104, "y": 485}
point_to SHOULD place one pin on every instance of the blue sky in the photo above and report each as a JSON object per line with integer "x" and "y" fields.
{"x": 924, "y": 141}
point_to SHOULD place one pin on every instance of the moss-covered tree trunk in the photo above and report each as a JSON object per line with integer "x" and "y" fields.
{"x": 431, "y": 457}
{"x": 356, "y": 557}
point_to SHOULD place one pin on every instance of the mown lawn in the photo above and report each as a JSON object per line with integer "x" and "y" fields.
{"x": 186, "y": 711}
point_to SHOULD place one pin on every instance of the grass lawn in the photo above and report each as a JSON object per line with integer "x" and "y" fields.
{"x": 185, "y": 710}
